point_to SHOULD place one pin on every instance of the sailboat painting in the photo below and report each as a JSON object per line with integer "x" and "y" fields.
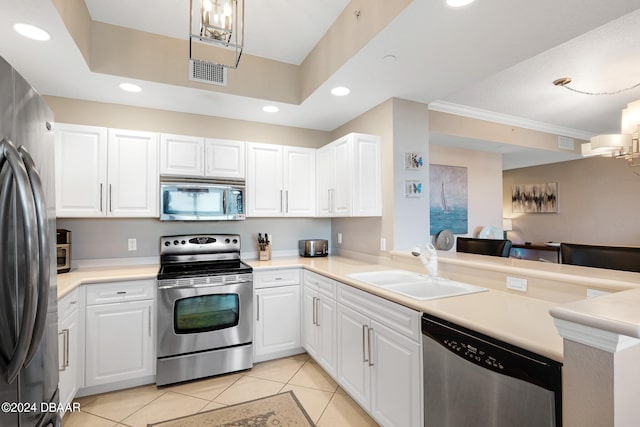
{"x": 448, "y": 199}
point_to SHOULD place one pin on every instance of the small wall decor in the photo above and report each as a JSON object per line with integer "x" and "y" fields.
{"x": 535, "y": 198}
{"x": 413, "y": 161}
{"x": 412, "y": 188}
{"x": 448, "y": 199}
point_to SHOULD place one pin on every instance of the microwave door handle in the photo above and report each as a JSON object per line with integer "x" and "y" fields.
{"x": 43, "y": 252}
{"x": 224, "y": 201}
{"x": 29, "y": 263}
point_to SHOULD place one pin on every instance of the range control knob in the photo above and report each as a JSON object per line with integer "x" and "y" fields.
{"x": 235, "y": 241}
{"x": 227, "y": 240}
{"x": 175, "y": 242}
{"x": 167, "y": 243}
{"x": 183, "y": 242}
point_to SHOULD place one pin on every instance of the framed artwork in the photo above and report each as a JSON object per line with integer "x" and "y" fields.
{"x": 448, "y": 199}
{"x": 535, "y": 198}
{"x": 412, "y": 188}
{"x": 413, "y": 161}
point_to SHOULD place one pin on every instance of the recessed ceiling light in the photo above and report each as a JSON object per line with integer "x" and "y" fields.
{"x": 340, "y": 91}
{"x": 458, "y": 3}
{"x": 32, "y": 32}
{"x": 130, "y": 87}
{"x": 270, "y": 109}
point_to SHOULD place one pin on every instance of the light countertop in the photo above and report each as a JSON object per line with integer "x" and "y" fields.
{"x": 519, "y": 320}
{"x": 618, "y": 313}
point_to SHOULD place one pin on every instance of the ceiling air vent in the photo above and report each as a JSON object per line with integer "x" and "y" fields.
{"x": 206, "y": 72}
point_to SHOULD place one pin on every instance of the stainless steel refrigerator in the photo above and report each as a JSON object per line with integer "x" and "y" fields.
{"x": 28, "y": 300}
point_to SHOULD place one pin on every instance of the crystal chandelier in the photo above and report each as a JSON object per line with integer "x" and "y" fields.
{"x": 217, "y": 23}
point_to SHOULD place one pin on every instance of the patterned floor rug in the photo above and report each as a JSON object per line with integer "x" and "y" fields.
{"x": 282, "y": 409}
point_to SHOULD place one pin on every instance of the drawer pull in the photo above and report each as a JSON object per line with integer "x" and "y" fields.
{"x": 73, "y": 302}
{"x": 121, "y": 292}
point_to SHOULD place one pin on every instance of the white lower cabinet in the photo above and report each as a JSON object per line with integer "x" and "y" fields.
{"x": 120, "y": 336}
{"x": 380, "y": 367}
{"x": 71, "y": 345}
{"x": 276, "y": 314}
{"x": 319, "y": 320}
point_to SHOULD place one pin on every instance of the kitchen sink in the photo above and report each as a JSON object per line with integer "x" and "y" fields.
{"x": 415, "y": 285}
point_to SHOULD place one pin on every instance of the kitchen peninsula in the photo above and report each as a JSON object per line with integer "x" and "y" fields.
{"x": 519, "y": 318}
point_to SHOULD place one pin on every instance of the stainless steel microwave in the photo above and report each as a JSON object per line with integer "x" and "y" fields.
{"x": 201, "y": 200}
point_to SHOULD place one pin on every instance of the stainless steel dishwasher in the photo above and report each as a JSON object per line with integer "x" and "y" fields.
{"x": 471, "y": 379}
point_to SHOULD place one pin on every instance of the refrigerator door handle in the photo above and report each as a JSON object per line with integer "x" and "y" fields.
{"x": 8, "y": 308}
{"x": 25, "y": 202}
{"x": 43, "y": 251}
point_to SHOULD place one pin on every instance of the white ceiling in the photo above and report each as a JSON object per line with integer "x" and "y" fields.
{"x": 494, "y": 56}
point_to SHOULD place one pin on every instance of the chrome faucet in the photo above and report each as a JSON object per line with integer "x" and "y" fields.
{"x": 431, "y": 261}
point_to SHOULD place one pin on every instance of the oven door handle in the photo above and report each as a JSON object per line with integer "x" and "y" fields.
{"x": 204, "y": 285}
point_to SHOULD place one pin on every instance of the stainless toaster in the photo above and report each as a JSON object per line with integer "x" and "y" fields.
{"x": 313, "y": 247}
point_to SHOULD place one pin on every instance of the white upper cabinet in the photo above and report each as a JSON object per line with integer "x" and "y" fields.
{"x": 224, "y": 158}
{"x": 133, "y": 173}
{"x": 349, "y": 179}
{"x": 81, "y": 170}
{"x": 192, "y": 156}
{"x": 106, "y": 172}
{"x": 280, "y": 180}
{"x": 181, "y": 155}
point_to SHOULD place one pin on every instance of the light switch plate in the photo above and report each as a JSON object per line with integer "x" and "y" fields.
{"x": 132, "y": 244}
{"x": 517, "y": 284}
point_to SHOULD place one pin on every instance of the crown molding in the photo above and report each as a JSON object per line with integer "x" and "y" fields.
{"x": 505, "y": 119}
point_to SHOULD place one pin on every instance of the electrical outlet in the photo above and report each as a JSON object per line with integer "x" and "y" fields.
{"x": 383, "y": 244}
{"x": 132, "y": 244}
{"x": 339, "y": 237}
{"x": 517, "y": 284}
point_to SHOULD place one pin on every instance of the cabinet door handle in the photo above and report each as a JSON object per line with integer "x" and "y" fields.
{"x": 110, "y": 193}
{"x": 65, "y": 350}
{"x": 329, "y": 200}
{"x": 149, "y": 321}
{"x": 364, "y": 340}
{"x": 369, "y": 339}
{"x": 281, "y": 203}
{"x": 257, "y": 308}
{"x": 313, "y": 316}
{"x": 286, "y": 204}
{"x": 101, "y": 197}
{"x": 317, "y": 312}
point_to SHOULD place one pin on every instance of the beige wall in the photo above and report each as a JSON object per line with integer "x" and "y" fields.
{"x": 597, "y": 203}
{"x": 127, "y": 117}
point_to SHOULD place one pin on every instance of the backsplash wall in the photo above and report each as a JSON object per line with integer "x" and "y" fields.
{"x": 94, "y": 239}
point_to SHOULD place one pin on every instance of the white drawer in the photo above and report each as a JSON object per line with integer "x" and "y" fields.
{"x": 69, "y": 304}
{"x": 325, "y": 285}
{"x": 395, "y": 316}
{"x": 273, "y": 278}
{"x": 131, "y": 290}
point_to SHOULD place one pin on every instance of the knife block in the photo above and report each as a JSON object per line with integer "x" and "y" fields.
{"x": 266, "y": 254}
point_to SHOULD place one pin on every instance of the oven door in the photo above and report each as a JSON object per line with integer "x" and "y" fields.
{"x": 203, "y": 317}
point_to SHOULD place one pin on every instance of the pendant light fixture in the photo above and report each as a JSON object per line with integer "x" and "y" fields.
{"x": 216, "y": 32}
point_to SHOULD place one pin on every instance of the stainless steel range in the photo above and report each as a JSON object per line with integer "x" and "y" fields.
{"x": 205, "y": 306}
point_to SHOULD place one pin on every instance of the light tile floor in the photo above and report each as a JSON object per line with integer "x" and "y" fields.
{"x": 326, "y": 403}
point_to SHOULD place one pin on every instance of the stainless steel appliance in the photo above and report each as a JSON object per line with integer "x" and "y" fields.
{"x": 313, "y": 248}
{"x": 205, "y": 306}
{"x": 471, "y": 379}
{"x": 201, "y": 200}
{"x": 63, "y": 250}
{"x": 28, "y": 313}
